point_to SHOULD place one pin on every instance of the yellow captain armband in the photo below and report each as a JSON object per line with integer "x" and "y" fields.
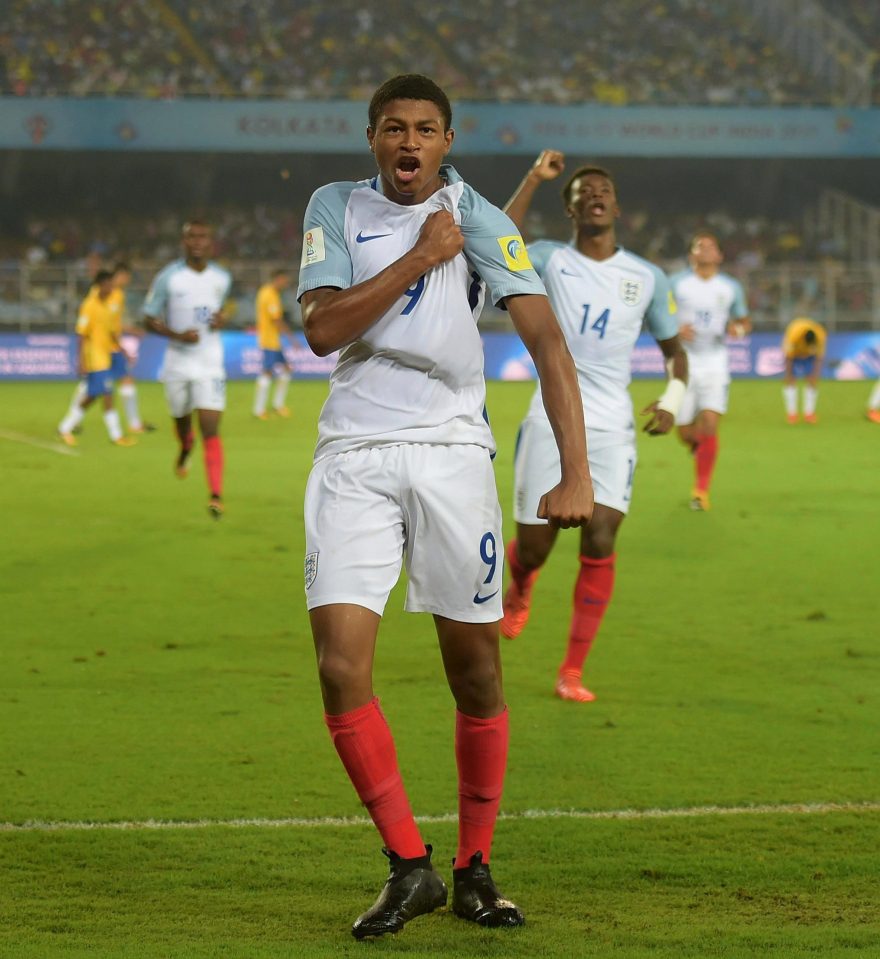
{"x": 672, "y": 396}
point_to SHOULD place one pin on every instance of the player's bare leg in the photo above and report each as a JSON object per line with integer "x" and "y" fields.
{"x": 525, "y": 556}
{"x": 345, "y": 643}
{"x": 592, "y": 594}
{"x": 186, "y": 438}
{"x": 687, "y": 434}
{"x": 472, "y": 662}
{"x": 209, "y": 427}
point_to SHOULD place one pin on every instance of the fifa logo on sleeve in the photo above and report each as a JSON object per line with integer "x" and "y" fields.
{"x": 313, "y": 247}
{"x": 310, "y": 568}
{"x": 515, "y": 254}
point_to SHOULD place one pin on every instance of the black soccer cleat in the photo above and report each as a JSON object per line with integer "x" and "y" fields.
{"x": 476, "y": 898}
{"x": 215, "y": 507}
{"x": 412, "y": 889}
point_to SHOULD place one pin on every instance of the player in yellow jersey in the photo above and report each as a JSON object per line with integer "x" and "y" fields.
{"x": 96, "y": 328}
{"x": 120, "y": 361}
{"x": 803, "y": 344}
{"x": 271, "y": 324}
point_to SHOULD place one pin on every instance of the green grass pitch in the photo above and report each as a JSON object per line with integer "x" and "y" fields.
{"x": 156, "y": 665}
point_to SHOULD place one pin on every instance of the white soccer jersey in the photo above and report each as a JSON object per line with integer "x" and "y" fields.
{"x": 708, "y": 305}
{"x": 416, "y": 375}
{"x": 186, "y": 299}
{"x": 601, "y": 305}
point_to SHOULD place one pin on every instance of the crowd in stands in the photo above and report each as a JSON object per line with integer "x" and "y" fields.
{"x": 683, "y": 52}
{"x": 269, "y": 234}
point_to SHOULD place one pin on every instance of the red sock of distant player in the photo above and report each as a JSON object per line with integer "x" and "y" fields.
{"x": 592, "y": 593}
{"x": 214, "y": 464}
{"x": 365, "y": 746}
{"x": 704, "y": 461}
{"x": 524, "y": 578}
{"x": 481, "y": 754}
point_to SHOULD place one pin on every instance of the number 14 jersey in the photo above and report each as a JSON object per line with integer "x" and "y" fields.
{"x": 601, "y": 306}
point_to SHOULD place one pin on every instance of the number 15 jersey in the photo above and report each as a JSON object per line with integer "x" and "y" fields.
{"x": 416, "y": 374}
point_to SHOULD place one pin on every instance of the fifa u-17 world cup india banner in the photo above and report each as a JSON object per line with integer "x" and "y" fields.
{"x": 849, "y": 356}
{"x": 488, "y": 129}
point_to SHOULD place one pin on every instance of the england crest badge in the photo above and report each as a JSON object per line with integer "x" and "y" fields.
{"x": 311, "y": 568}
{"x": 631, "y": 291}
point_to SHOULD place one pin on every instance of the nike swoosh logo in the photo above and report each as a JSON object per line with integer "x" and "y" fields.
{"x": 484, "y": 599}
{"x": 567, "y": 272}
{"x": 366, "y": 239}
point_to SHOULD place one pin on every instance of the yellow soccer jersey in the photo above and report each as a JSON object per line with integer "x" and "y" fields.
{"x": 116, "y": 303}
{"x": 96, "y": 327}
{"x": 269, "y": 313}
{"x": 795, "y": 346}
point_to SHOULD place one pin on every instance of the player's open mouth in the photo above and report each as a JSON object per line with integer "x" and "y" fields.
{"x": 597, "y": 209}
{"x": 407, "y": 168}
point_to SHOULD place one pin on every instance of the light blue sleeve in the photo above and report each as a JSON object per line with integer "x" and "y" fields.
{"x": 739, "y": 308}
{"x": 494, "y": 245}
{"x": 326, "y": 260}
{"x": 660, "y": 316}
{"x": 156, "y": 299}
{"x": 539, "y": 253}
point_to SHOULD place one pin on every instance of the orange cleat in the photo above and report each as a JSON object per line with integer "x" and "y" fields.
{"x": 792, "y": 418}
{"x": 811, "y": 418}
{"x": 261, "y": 416}
{"x": 282, "y": 411}
{"x": 516, "y": 605}
{"x": 568, "y": 686}
{"x": 67, "y": 438}
{"x": 700, "y": 501}
{"x": 873, "y": 415}
{"x": 125, "y": 441}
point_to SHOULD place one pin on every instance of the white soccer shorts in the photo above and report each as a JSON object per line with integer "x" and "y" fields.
{"x": 612, "y": 457}
{"x": 707, "y": 390}
{"x": 435, "y": 508}
{"x": 184, "y": 396}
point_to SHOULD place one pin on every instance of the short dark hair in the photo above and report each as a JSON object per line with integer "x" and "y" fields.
{"x": 102, "y": 276}
{"x": 409, "y": 86}
{"x": 810, "y": 337}
{"x": 121, "y": 267}
{"x": 195, "y": 221}
{"x": 704, "y": 235}
{"x": 281, "y": 271}
{"x": 581, "y": 171}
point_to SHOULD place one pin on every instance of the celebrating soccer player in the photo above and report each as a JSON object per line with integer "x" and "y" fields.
{"x": 392, "y": 275}
{"x": 601, "y": 294}
{"x": 185, "y": 305}
{"x": 711, "y": 306}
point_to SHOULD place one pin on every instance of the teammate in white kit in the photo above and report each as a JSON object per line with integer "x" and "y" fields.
{"x": 392, "y": 275}
{"x": 711, "y": 306}
{"x": 185, "y": 304}
{"x": 601, "y": 294}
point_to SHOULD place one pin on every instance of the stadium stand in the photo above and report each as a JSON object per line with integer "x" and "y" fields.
{"x": 683, "y": 52}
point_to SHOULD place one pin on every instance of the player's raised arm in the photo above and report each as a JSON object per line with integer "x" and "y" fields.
{"x": 333, "y": 318}
{"x": 548, "y": 166}
{"x": 571, "y": 502}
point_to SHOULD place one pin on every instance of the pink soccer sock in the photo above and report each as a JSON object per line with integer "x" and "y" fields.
{"x": 704, "y": 461}
{"x": 592, "y": 593}
{"x": 213, "y": 448}
{"x": 365, "y": 745}
{"x": 524, "y": 578}
{"x": 481, "y": 754}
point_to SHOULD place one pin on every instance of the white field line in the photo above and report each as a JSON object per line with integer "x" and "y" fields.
{"x": 40, "y": 444}
{"x": 789, "y": 809}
